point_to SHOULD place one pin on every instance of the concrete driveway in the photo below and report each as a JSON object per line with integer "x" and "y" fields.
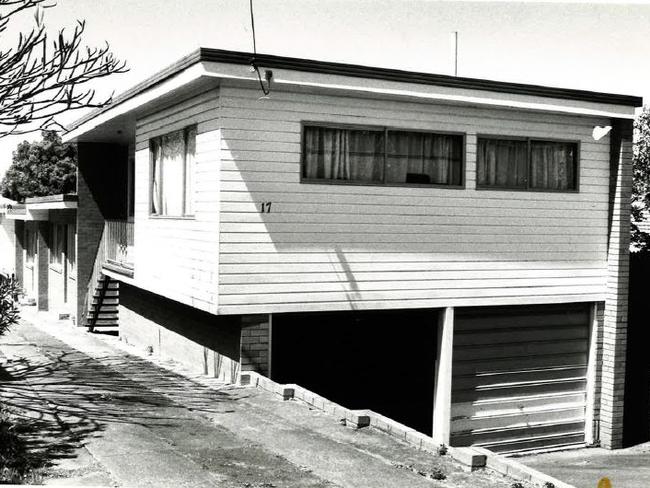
{"x": 583, "y": 468}
{"x": 97, "y": 415}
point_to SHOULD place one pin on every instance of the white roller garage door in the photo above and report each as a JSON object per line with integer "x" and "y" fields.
{"x": 519, "y": 377}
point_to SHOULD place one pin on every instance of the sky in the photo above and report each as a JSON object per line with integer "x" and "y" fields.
{"x": 601, "y": 46}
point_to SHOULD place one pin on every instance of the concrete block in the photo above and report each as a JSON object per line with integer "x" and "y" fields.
{"x": 357, "y": 421}
{"x": 468, "y": 457}
{"x": 287, "y": 393}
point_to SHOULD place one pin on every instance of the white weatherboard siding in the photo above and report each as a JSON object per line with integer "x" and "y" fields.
{"x": 7, "y": 245}
{"x": 178, "y": 257}
{"x": 342, "y": 247}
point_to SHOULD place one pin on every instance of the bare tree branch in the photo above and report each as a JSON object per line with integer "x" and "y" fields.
{"x": 40, "y": 80}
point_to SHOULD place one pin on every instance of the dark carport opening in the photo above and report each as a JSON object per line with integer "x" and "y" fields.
{"x": 379, "y": 360}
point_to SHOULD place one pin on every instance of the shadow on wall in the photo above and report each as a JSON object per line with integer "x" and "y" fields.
{"x": 164, "y": 320}
{"x": 61, "y": 404}
{"x": 637, "y": 375}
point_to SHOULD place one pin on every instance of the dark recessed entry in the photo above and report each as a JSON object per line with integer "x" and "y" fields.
{"x": 384, "y": 361}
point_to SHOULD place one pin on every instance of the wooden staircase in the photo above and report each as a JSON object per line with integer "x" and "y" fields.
{"x": 103, "y": 309}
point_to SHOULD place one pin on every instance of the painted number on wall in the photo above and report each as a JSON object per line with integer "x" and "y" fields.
{"x": 265, "y": 207}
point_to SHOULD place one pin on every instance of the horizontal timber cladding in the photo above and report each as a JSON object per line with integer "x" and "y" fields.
{"x": 177, "y": 257}
{"x": 519, "y": 376}
{"x": 343, "y": 247}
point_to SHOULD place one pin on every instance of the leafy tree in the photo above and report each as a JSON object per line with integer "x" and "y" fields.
{"x": 641, "y": 184}
{"x": 46, "y": 167}
{"x": 42, "y": 77}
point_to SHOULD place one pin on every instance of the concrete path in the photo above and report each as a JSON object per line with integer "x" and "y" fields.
{"x": 99, "y": 415}
{"x": 583, "y": 468}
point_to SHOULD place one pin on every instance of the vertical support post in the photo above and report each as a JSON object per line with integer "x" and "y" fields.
{"x": 43, "y": 267}
{"x": 591, "y": 435}
{"x": 442, "y": 390}
{"x": 270, "y": 348}
{"x": 618, "y": 262}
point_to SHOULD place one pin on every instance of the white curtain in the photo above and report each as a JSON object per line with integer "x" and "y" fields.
{"x": 173, "y": 146}
{"x": 343, "y": 154}
{"x": 156, "y": 185}
{"x": 190, "y": 154}
{"x": 552, "y": 165}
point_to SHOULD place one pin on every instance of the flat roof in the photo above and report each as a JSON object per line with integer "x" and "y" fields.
{"x": 66, "y": 197}
{"x": 360, "y": 71}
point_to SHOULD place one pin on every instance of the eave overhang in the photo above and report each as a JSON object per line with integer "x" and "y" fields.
{"x": 208, "y": 67}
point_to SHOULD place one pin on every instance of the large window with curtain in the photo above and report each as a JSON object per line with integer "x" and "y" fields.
{"x": 172, "y": 173}
{"x": 527, "y": 164}
{"x": 379, "y": 155}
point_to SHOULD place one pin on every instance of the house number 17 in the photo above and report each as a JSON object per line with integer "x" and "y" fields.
{"x": 265, "y": 207}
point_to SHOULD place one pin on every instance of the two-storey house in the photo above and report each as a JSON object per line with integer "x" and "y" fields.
{"x": 451, "y": 252}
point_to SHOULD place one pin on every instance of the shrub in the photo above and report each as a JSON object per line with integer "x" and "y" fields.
{"x": 8, "y": 308}
{"x": 14, "y": 463}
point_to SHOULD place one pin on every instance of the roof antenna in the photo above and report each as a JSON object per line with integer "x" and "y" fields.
{"x": 268, "y": 74}
{"x": 454, "y": 52}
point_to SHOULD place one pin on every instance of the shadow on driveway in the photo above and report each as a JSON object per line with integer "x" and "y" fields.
{"x": 61, "y": 398}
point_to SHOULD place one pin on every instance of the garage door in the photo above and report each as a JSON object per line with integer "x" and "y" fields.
{"x": 519, "y": 377}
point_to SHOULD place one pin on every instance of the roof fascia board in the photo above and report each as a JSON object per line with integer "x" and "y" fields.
{"x": 51, "y": 205}
{"x": 389, "y": 74}
{"x": 298, "y": 76}
{"x": 31, "y": 215}
{"x": 424, "y": 92}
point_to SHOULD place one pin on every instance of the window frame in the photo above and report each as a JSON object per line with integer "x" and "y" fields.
{"x": 528, "y": 141}
{"x": 71, "y": 250}
{"x": 184, "y": 216}
{"x": 57, "y": 229}
{"x": 385, "y": 129}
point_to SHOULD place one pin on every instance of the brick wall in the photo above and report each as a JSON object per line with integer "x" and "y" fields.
{"x": 43, "y": 257}
{"x": 600, "y": 318}
{"x": 101, "y": 190}
{"x": 616, "y": 304}
{"x": 255, "y": 343}
{"x": 20, "y": 247}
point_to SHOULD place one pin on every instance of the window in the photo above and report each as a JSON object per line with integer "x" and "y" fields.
{"x": 57, "y": 244}
{"x": 527, "y": 164}
{"x": 381, "y": 156}
{"x": 172, "y": 173}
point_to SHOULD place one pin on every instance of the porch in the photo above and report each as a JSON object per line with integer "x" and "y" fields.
{"x": 118, "y": 247}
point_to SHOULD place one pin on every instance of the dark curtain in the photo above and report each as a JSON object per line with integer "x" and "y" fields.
{"x": 343, "y": 154}
{"x": 418, "y": 157}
